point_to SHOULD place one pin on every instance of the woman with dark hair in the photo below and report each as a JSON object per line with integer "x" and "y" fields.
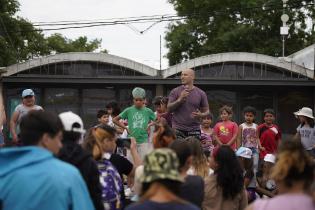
{"x": 161, "y": 183}
{"x": 225, "y": 188}
{"x": 294, "y": 175}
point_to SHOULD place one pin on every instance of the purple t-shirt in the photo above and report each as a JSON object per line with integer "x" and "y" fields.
{"x": 182, "y": 119}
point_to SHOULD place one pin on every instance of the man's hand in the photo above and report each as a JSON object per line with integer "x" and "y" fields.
{"x": 197, "y": 114}
{"x": 183, "y": 95}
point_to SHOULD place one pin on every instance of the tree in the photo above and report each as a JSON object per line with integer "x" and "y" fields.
{"x": 13, "y": 32}
{"x": 242, "y": 26}
{"x": 19, "y": 40}
{"x": 61, "y": 44}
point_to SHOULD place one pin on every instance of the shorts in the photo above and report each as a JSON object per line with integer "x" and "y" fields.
{"x": 180, "y": 134}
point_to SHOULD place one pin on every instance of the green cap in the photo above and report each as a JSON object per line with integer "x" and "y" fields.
{"x": 138, "y": 92}
{"x": 161, "y": 164}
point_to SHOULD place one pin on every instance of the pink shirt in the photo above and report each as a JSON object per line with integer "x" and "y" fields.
{"x": 225, "y": 131}
{"x": 286, "y": 201}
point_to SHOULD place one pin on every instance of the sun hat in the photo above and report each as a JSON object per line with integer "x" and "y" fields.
{"x": 270, "y": 158}
{"x": 244, "y": 152}
{"x": 138, "y": 92}
{"x": 305, "y": 111}
{"x": 161, "y": 164}
{"x": 27, "y": 92}
{"x": 68, "y": 120}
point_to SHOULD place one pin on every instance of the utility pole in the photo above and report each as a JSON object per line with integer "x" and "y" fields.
{"x": 284, "y": 29}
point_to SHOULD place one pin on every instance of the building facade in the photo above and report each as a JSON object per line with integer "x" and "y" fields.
{"x": 86, "y": 82}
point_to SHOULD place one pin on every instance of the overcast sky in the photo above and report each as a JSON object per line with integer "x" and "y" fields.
{"x": 119, "y": 39}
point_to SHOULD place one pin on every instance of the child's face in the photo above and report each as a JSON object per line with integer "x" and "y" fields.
{"x": 249, "y": 117}
{"x": 302, "y": 119}
{"x": 224, "y": 115}
{"x": 269, "y": 118}
{"x": 104, "y": 119}
{"x": 139, "y": 102}
{"x": 206, "y": 122}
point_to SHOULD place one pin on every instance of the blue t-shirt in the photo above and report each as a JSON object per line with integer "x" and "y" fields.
{"x": 162, "y": 206}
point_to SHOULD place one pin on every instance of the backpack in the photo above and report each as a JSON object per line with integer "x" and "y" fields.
{"x": 111, "y": 183}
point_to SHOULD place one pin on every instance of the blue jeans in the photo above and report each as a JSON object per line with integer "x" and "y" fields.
{"x": 255, "y": 155}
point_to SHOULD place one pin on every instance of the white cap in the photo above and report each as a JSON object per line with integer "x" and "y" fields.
{"x": 270, "y": 158}
{"x": 305, "y": 111}
{"x": 244, "y": 152}
{"x": 27, "y": 92}
{"x": 68, "y": 119}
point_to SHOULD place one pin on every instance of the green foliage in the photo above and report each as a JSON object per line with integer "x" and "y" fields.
{"x": 61, "y": 44}
{"x": 15, "y": 30}
{"x": 242, "y": 26}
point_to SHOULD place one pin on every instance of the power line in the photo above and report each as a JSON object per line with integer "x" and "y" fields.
{"x": 155, "y": 18}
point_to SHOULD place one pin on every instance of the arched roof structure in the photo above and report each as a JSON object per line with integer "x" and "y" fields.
{"x": 80, "y": 56}
{"x": 282, "y": 63}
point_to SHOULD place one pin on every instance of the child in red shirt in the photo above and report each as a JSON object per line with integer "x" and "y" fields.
{"x": 269, "y": 134}
{"x": 225, "y": 132}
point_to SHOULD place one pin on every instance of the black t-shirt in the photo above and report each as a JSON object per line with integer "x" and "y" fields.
{"x": 122, "y": 164}
{"x": 192, "y": 190}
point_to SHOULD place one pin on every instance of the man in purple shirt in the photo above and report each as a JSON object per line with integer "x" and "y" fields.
{"x": 188, "y": 104}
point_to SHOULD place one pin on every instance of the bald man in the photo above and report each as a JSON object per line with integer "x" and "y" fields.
{"x": 189, "y": 105}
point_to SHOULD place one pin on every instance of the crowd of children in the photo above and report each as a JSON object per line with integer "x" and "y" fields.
{"x": 135, "y": 156}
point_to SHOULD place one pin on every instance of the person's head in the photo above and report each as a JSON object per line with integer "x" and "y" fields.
{"x": 269, "y": 116}
{"x": 207, "y": 120}
{"x": 199, "y": 162}
{"x": 163, "y": 134}
{"x": 160, "y": 169}
{"x": 187, "y": 77}
{"x": 305, "y": 115}
{"x": 138, "y": 95}
{"x": 102, "y": 116}
{"x": 244, "y": 155}
{"x": 294, "y": 167}
{"x": 183, "y": 152}
{"x": 113, "y": 108}
{"x": 73, "y": 129}
{"x": 226, "y": 113}
{"x": 160, "y": 104}
{"x": 28, "y": 97}
{"x": 229, "y": 173}
{"x": 41, "y": 128}
{"x": 249, "y": 114}
{"x": 269, "y": 162}
{"x": 101, "y": 139}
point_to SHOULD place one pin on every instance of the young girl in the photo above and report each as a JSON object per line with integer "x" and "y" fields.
{"x": 266, "y": 186}
{"x": 206, "y": 138}
{"x": 199, "y": 164}
{"x": 306, "y": 130}
{"x": 246, "y": 161}
{"x": 248, "y": 136}
{"x": 225, "y": 132}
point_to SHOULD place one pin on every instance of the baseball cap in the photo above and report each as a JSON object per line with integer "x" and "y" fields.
{"x": 270, "y": 158}
{"x": 244, "y": 152}
{"x": 138, "y": 92}
{"x": 68, "y": 120}
{"x": 161, "y": 164}
{"x": 27, "y": 92}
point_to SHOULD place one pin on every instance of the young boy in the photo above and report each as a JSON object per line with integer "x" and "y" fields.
{"x": 269, "y": 134}
{"x": 103, "y": 117}
{"x": 247, "y": 135}
{"x": 138, "y": 117}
